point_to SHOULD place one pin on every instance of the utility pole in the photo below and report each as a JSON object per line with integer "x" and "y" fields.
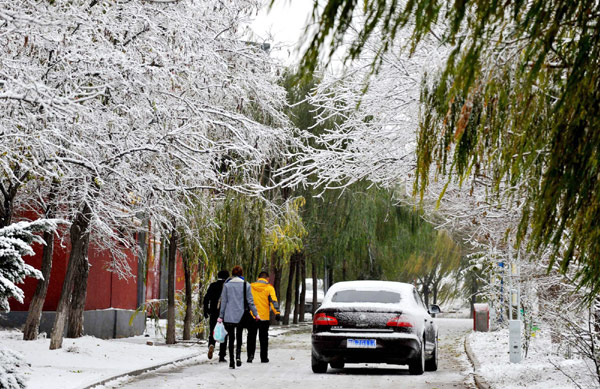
{"x": 515, "y": 325}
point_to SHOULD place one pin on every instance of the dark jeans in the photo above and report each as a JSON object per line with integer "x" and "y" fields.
{"x": 223, "y": 346}
{"x": 262, "y": 327}
{"x": 238, "y": 329}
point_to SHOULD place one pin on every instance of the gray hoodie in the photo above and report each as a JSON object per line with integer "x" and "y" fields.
{"x": 232, "y": 300}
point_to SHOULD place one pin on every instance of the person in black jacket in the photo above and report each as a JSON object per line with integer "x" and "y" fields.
{"x": 211, "y": 302}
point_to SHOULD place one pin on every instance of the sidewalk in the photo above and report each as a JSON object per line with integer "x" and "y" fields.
{"x": 541, "y": 369}
{"x": 86, "y": 362}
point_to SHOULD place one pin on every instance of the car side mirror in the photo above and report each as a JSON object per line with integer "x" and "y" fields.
{"x": 434, "y": 309}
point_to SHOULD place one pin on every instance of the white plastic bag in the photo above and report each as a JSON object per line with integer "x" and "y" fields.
{"x": 220, "y": 333}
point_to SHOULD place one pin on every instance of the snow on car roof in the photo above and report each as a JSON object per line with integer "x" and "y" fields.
{"x": 400, "y": 287}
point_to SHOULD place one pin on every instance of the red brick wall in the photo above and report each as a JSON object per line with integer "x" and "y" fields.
{"x": 105, "y": 289}
{"x": 57, "y": 275}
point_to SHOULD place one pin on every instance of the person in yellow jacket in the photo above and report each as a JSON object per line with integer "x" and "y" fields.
{"x": 265, "y": 300}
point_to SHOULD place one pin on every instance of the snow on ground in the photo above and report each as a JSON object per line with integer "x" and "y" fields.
{"x": 289, "y": 368}
{"x": 541, "y": 369}
{"x": 88, "y": 360}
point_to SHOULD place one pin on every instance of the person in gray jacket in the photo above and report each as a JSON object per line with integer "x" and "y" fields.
{"x": 232, "y": 311}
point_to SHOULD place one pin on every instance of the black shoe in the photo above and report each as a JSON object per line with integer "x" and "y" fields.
{"x": 222, "y": 359}
{"x": 238, "y": 362}
{"x": 266, "y": 360}
{"x": 250, "y": 359}
{"x": 231, "y": 365}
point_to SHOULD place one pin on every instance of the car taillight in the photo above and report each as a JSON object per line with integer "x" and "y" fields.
{"x": 399, "y": 321}
{"x": 321, "y": 319}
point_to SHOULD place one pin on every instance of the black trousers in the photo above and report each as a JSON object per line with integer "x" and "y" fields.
{"x": 237, "y": 329}
{"x": 211, "y": 340}
{"x": 262, "y": 327}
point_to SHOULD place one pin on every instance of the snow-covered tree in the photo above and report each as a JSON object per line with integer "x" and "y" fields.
{"x": 15, "y": 242}
{"x": 132, "y": 109}
{"x": 371, "y": 119}
{"x": 518, "y": 95}
{"x": 12, "y": 369}
{"x": 382, "y": 121}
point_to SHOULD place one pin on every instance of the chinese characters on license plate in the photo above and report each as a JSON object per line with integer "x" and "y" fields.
{"x": 361, "y": 343}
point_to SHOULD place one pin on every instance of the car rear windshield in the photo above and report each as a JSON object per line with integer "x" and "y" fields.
{"x": 366, "y": 296}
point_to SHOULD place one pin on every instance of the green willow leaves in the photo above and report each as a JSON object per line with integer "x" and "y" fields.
{"x": 517, "y": 105}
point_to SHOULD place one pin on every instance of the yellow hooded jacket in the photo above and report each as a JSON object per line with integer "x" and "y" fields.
{"x": 264, "y": 298}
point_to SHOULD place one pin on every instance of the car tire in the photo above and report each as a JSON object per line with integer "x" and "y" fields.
{"x": 337, "y": 365}
{"x": 318, "y": 366}
{"x": 432, "y": 363}
{"x": 417, "y": 365}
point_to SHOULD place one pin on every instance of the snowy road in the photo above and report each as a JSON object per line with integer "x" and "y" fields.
{"x": 290, "y": 368}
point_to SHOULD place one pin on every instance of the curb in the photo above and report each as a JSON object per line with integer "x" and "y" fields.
{"x": 141, "y": 371}
{"x": 480, "y": 382}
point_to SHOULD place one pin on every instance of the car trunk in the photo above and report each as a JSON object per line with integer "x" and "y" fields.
{"x": 359, "y": 320}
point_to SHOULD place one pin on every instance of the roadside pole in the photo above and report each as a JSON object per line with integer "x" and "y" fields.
{"x": 515, "y": 326}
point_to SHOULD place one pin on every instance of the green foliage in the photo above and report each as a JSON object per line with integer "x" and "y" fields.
{"x": 300, "y": 111}
{"x": 285, "y": 236}
{"x": 242, "y": 230}
{"x": 360, "y": 232}
{"x": 191, "y": 244}
{"x": 364, "y": 234}
{"x": 431, "y": 263}
{"x": 346, "y": 229}
{"x": 236, "y": 235}
{"x": 517, "y": 102}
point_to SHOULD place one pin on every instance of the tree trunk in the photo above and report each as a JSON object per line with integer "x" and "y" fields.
{"x": 426, "y": 284}
{"x": 6, "y": 210}
{"x": 303, "y": 281}
{"x": 275, "y": 280}
{"x": 77, "y": 305}
{"x": 277, "y": 275}
{"x": 288, "y": 294}
{"x": 426, "y": 294}
{"x": 9, "y": 193}
{"x": 250, "y": 272}
{"x": 435, "y": 289}
{"x": 187, "y": 321}
{"x": 297, "y": 288}
{"x": 171, "y": 288}
{"x": 315, "y": 287}
{"x": 200, "y": 334}
{"x": 272, "y": 271}
{"x": 32, "y": 324}
{"x": 79, "y": 235}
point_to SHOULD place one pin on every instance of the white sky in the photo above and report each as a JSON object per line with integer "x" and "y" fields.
{"x": 283, "y": 26}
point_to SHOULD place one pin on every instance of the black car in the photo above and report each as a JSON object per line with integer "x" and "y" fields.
{"x": 374, "y": 322}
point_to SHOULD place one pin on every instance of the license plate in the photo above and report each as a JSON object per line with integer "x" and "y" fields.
{"x": 361, "y": 343}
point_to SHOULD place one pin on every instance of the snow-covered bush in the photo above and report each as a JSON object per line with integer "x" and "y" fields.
{"x": 15, "y": 242}
{"x": 11, "y": 369}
